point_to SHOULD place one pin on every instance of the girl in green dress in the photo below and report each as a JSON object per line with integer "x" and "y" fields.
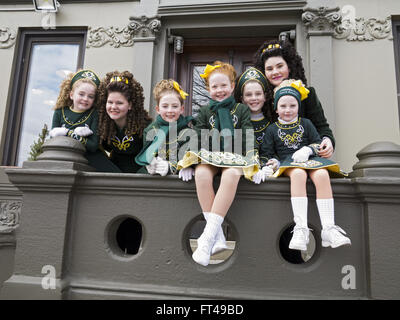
{"x": 122, "y": 119}
{"x": 76, "y": 116}
{"x": 164, "y": 137}
{"x": 279, "y": 60}
{"x": 218, "y": 126}
{"x": 293, "y": 142}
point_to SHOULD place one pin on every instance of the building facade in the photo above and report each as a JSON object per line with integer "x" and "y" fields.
{"x": 351, "y": 54}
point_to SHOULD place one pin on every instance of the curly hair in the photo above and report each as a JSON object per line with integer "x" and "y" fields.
{"x": 63, "y": 99}
{"x": 137, "y": 118}
{"x": 163, "y": 87}
{"x": 294, "y": 61}
{"x": 226, "y": 69}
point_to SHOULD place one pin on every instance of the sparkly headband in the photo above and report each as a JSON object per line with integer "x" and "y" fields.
{"x": 85, "y": 74}
{"x": 119, "y": 79}
{"x": 271, "y": 47}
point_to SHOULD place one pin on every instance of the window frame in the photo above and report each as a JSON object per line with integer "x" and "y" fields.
{"x": 396, "y": 45}
{"x": 27, "y": 38}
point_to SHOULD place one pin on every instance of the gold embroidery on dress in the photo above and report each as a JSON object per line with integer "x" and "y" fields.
{"x": 292, "y": 141}
{"x": 124, "y": 144}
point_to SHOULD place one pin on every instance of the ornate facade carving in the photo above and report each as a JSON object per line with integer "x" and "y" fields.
{"x": 145, "y": 26}
{"x": 9, "y": 215}
{"x": 114, "y": 36}
{"x": 361, "y": 29}
{"x": 7, "y": 38}
{"x": 321, "y": 19}
{"x": 140, "y": 27}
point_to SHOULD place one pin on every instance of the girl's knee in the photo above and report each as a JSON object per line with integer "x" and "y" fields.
{"x": 297, "y": 173}
{"x": 204, "y": 172}
{"x": 231, "y": 174}
{"x": 319, "y": 174}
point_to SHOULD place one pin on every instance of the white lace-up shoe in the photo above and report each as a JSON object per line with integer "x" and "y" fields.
{"x": 333, "y": 237}
{"x": 300, "y": 238}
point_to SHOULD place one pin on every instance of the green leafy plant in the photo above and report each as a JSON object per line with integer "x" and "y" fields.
{"x": 37, "y": 146}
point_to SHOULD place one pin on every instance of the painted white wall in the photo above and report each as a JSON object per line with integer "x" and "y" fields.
{"x": 365, "y": 87}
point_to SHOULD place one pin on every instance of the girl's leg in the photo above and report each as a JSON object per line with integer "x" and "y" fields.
{"x": 227, "y": 190}
{"x": 331, "y": 234}
{"x": 299, "y": 200}
{"x": 204, "y": 176}
{"x": 222, "y": 201}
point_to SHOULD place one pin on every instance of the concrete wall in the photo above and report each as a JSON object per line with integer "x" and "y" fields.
{"x": 365, "y": 85}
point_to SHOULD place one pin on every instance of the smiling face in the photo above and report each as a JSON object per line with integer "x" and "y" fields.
{"x": 82, "y": 95}
{"x": 253, "y": 96}
{"x": 117, "y": 108}
{"x": 170, "y": 107}
{"x": 276, "y": 70}
{"x": 287, "y": 108}
{"x": 220, "y": 86}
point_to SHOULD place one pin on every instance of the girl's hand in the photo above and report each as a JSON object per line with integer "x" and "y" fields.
{"x": 302, "y": 155}
{"x": 162, "y": 166}
{"x": 186, "y": 174}
{"x": 326, "y": 148}
{"x": 58, "y": 131}
{"x": 274, "y": 164}
{"x": 83, "y": 131}
{"x": 151, "y": 168}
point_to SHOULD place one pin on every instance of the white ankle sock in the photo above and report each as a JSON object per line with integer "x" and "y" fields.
{"x": 220, "y": 234}
{"x": 326, "y": 212}
{"x": 299, "y": 207}
{"x": 207, "y": 239}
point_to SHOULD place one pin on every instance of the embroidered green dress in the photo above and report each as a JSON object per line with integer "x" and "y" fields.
{"x": 282, "y": 140}
{"x": 212, "y": 151}
{"x": 71, "y": 120}
{"x": 123, "y": 150}
{"x": 260, "y": 126}
{"x": 166, "y": 140}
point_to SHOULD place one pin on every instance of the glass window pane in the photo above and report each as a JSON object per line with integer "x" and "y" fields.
{"x": 48, "y": 66}
{"x": 200, "y": 96}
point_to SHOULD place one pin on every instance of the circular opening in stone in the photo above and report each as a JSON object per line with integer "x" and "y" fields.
{"x": 196, "y": 229}
{"x": 125, "y": 236}
{"x": 295, "y": 256}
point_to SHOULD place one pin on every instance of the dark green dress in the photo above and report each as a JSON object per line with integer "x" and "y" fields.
{"x": 123, "y": 150}
{"x": 282, "y": 140}
{"x": 71, "y": 120}
{"x": 260, "y": 126}
{"x": 247, "y": 158}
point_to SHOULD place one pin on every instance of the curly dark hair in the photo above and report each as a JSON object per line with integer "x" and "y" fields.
{"x": 137, "y": 118}
{"x": 294, "y": 61}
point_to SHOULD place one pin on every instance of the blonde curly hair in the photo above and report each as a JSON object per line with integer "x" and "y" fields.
{"x": 137, "y": 118}
{"x": 163, "y": 87}
{"x": 64, "y": 99}
{"x": 225, "y": 68}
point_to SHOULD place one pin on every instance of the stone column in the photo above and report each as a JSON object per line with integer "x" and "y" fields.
{"x": 377, "y": 181}
{"x": 45, "y": 183}
{"x": 320, "y": 23}
{"x": 145, "y": 30}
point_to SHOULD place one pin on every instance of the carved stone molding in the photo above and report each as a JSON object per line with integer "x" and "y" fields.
{"x": 7, "y": 38}
{"x": 9, "y": 215}
{"x": 361, "y": 29}
{"x": 145, "y": 27}
{"x": 139, "y": 29}
{"x": 114, "y": 36}
{"x": 321, "y": 20}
